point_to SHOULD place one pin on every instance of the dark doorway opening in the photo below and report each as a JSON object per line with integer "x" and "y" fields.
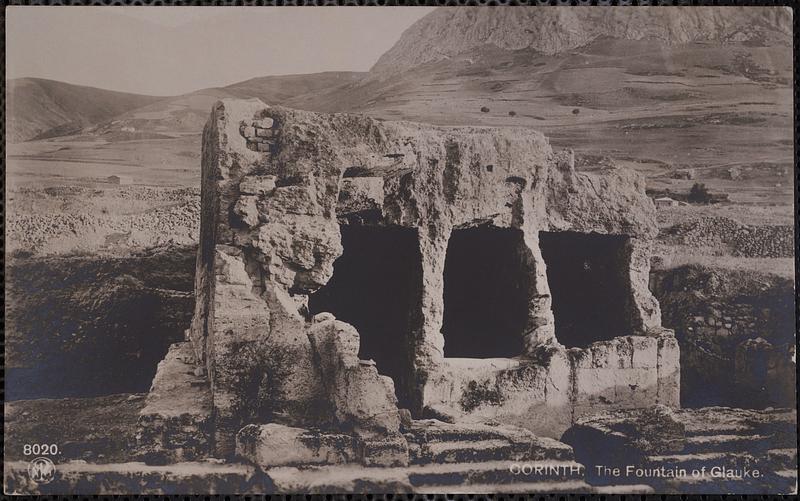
{"x": 376, "y": 287}
{"x": 589, "y": 284}
{"x": 488, "y": 274}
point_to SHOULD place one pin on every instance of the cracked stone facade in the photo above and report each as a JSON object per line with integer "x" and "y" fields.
{"x": 277, "y": 184}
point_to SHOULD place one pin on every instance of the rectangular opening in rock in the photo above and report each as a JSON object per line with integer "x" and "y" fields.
{"x": 376, "y": 287}
{"x": 487, "y": 284}
{"x": 590, "y": 285}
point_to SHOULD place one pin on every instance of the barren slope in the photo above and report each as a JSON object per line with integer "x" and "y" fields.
{"x": 35, "y": 107}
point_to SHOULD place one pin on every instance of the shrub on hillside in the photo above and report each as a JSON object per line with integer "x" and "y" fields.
{"x": 699, "y": 194}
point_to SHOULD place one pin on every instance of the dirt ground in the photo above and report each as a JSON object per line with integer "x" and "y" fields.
{"x": 100, "y": 429}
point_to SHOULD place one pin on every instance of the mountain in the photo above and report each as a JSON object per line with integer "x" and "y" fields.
{"x": 277, "y": 89}
{"x": 186, "y": 114}
{"x": 35, "y": 107}
{"x": 38, "y": 109}
{"x": 447, "y": 32}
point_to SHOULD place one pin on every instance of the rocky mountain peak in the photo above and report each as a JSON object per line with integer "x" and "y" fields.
{"x": 450, "y": 31}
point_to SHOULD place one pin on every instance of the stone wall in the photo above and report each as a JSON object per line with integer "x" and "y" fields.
{"x": 736, "y": 331}
{"x": 742, "y": 239}
{"x": 277, "y": 183}
{"x": 558, "y": 385}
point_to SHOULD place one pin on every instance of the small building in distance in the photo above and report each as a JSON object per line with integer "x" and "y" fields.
{"x": 118, "y": 179}
{"x": 683, "y": 174}
{"x": 666, "y": 202}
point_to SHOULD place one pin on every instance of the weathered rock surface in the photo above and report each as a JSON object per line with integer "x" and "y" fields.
{"x": 361, "y": 397}
{"x": 273, "y": 444}
{"x": 718, "y": 315}
{"x": 75, "y": 327}
{"x": 77, "y": 219}
{"x": 175, "y": 424}
{"x": 739, "y": 239}
{"x": 456, "y": 30}
{"x": 435, "y": 442}
{"x": 277, "y": 184}
{"x": 445, "y": 457}
{"x": 559, "y": 385}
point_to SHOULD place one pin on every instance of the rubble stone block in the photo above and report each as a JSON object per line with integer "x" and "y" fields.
{"x": 292, "y": 200}
{"x": 596, "y": 384}
{"x": 274, "y": 444}
{"x": 637, "y": 386}
{"x": 383, "y": 451}
{"x": 247, "y": 210}
{"x": 230, "y": 270}
{"x": 357, "y": 194}
{"x": 264, "y": 123}
{"x": 645, "y": 352}
{"x": 175, "y": 423}
{"x": 257, "y": 185}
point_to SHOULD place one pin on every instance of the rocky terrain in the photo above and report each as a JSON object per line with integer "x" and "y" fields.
{"x": 98, "y": 429}
{"x": 458, "y": 30}
{"x": 724, "y": 445}
{"x": 93, "y": 324}
{"x": 773, "y": 241}
{"x": 80, "y": 219}
{"x": 736, "y": 332}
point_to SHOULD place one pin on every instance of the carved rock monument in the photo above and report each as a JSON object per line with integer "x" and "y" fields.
{"x": 363, "y": 285}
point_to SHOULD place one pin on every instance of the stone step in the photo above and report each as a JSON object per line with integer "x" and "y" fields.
{"x": 723, "y": 429}
{"x": 433, "y": 479}
{"x": 699, "y": 460}
{"x": 433, "y": 441}
{"x": 631, "y": 489}
{"x": 771, "y": 484}
{"x": 727, "y": 443}
{"x": 495, "y": 472}
{"x": 82, "y": 478}
{"x": 466, "y": 452}
{"x": 338, "y": 479}
{"x": 433, "y": 430}
{"x": 517, "y": 488}
{"x": 724, "y": 421}
{"x": 784, "y": 458}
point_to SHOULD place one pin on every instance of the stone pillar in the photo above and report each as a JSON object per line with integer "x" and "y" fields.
{"x": 645, "y": 313}
{"x": 428, "y": 338}
{"x": 668, "y": 368}
{"x": 540, "y": 328}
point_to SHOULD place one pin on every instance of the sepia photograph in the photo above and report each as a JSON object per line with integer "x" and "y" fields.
{"x": 423, "y": 250}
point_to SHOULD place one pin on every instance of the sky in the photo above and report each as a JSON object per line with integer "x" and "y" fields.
{"x": 173, "y": 50}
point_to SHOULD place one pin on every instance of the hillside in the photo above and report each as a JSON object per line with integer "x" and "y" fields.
{"x": 448, "y": 32}
{"x": 277, "y": 89}
{"x": 35, "y": 107}
{"x": 708, "y": 90}
{"x": 186, "y": 114}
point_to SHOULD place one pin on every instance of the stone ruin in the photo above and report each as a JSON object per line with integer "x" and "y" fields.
{"x": 362, "y": 284}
